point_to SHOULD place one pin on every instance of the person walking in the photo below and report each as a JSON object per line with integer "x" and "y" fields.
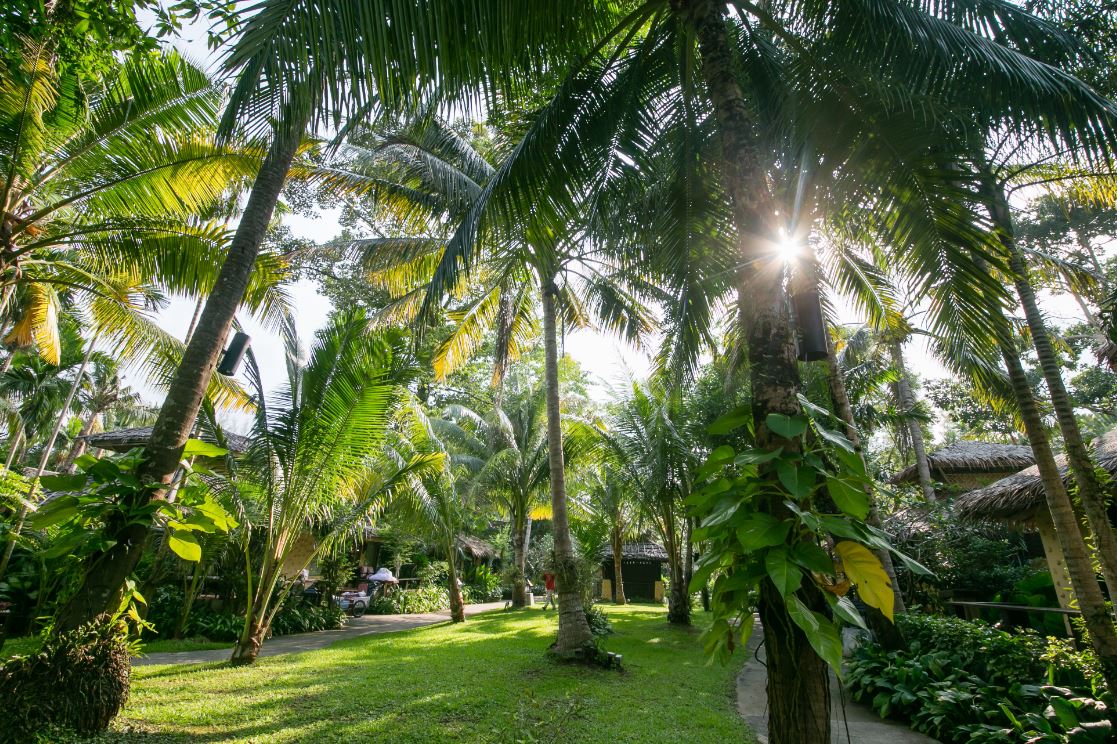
{"x": 549, "y": 583}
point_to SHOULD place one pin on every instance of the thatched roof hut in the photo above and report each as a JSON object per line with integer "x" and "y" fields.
{"x": 122, "y": 440}
{"x": 970, "y": 464}
{"x": 1017, "y": 498}
{"x": 639, "y": 551}
{"x": 476, "y": 548}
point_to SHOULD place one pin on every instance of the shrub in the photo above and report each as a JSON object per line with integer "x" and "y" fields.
{"x": 303, "y": 617}
{"x": 430, "y": 598}
{"x": 485, "y": 586}
{"x": 78, "y": 680}
{"x": 968, "y": 682}
{"x": 599, "y": 623}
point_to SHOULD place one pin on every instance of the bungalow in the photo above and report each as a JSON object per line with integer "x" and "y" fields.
{"x": 642, "y": 570}
{"x": 967, "y": 465}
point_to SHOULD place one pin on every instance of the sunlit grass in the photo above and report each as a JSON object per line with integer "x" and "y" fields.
{"x": 486, "y": 681}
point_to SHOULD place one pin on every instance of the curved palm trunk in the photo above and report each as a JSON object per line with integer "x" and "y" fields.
{"x": 618, "y": 561}
{"x": 106, "y": 573}
{"x": 798, "y": 680}
{"x": 1099, "y": 623}
{"x": 915, "y": 431}
{"x": 16, "y": 445}
{"x": 48, "y": 448}
{"x": 573, "y": 628}
{"x": 678, "y": 601}
{"x": 1090, "y": 490}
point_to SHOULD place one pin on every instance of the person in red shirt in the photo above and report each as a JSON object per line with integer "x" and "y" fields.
{"x": 549, "y": 583}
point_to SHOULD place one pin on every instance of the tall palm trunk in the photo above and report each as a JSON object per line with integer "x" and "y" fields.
{"x": 1090, "y": 490}
{"x": 1099, "y": 623}
{"x": 457, "y": 604}
{"x": 678, "y": 601}
{"x": 521, "y": 534}
{"x": 573, "y": 628}
{"x": 9, "y": 547}
{"x": 886, "y": 632}
{"x": 106, "y": 573}
{"x": 915, "y": 430}
{"x": 16, "y": 445}
{"x": 617, "y": 541}
{"x": 798, "y": 680}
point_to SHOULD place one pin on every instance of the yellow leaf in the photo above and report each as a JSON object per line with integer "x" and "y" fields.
{"x": 864, "y": 570}
{"x": 37, "y": 324}
{"x": 543, "y": 511}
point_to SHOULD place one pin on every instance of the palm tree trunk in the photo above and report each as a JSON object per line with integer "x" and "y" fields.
{"x": 798, "y": 680}
{"x": 915, "y": 430}
{"x": 79, "y": 443}
{"x": 16, "y": 444}
{"x": 1090, "y": 490}
{"x": 573, "y": 628}
{"x": 618, "y": 563}
{"x": 887, "y": 633}
{"x": 9, "y": 547}
{"x": 519, "y": 559}
{"x": 457, "y": 604}
{"x": 106, "y": 573}
{"x": 1099, "y": 623}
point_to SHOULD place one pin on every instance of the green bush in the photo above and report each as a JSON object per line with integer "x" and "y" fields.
{"x": 968, "y": 682}
{"x": 77, "y": 680}
{"x": 303, "y": 617}
{"x": 598, "y": 621}
{"x": 430, "y": 598}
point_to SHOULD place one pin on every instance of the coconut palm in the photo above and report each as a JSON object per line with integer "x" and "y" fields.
{"x": 425, "y": 172}
{"x": 310, "y": 466}
{"x": 648, "y": 442}
{"x": 504, "y": 459}
{"x": 606, "y": 495}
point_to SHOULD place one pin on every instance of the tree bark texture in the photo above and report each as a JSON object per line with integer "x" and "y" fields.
{"x": 618, "y": 566}
{"x": 798, "y": 680}
{"x": 574, "y": 630}
{"x": 106, "y": 573}
{"x": 519, "y": 559}
{"x": 457, "y": 604}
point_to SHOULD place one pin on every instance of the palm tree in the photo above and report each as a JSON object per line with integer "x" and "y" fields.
{"x": 648, "y": 442}
{"x": 504, "y": 458}
{"x": 606, "y": 495}
{"x": 424, "y": 171}
{"x": 309, "y": 464}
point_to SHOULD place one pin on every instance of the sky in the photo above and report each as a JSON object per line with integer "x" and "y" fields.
{"x": 606, "y": 360}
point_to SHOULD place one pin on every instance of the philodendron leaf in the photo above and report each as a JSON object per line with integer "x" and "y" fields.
{"x": 820, "y": 633}
{"x": 198, "y": 448}
{"x": 848, "y": 496}
{"x": 785, "y": 426}
{"x": 185, "y": 546}
{"x": 866, "y": 573}
{"x": 761, "y": 530}
{"x": 784, "y": 574}
{"x": 798, "y": 480}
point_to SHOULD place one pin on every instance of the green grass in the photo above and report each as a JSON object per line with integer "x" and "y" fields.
{"x": 30, "y": 644}
{"x": 485, "y": 681}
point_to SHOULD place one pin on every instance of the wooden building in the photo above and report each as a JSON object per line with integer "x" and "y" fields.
{"x": 966, "y": 465}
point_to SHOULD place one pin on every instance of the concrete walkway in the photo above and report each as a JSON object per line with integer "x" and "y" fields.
{"x": 354, "y": 628}
{"x": 864, "y": 725}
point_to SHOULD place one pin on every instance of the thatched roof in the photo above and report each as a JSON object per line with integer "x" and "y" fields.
{"x": 122, "y": 440}
{"x": 641, "y": 551}
{"x": 476, "y": 548}
{"x": 971, "y": 457}
{"x": 1018, "y": 497}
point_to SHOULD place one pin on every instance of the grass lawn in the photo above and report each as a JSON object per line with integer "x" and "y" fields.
{"x": 485, "y": 681}
{"x": 30, "y": 644}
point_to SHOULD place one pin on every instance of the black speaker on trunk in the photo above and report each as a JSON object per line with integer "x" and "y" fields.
{"x": 811, "y": 325}
{"x": 231, "y": 359}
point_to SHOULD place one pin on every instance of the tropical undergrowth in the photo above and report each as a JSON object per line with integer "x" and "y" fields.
{"x": 961, "y": 681}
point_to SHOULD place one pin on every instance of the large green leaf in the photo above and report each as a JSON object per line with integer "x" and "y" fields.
{"x": 849, "y": 497}
{"x": 820, "y": 632}
{"x": 784, "y": 574}
{"x": 761, "y": 530}
{"x": 796, "y": 478}
{"x": 785, "y": 426}
{"x": 185, "y": 546}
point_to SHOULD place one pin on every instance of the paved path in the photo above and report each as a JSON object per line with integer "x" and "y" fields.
{"x": 865, "y": 726}
{"x": 354, "y": 628}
